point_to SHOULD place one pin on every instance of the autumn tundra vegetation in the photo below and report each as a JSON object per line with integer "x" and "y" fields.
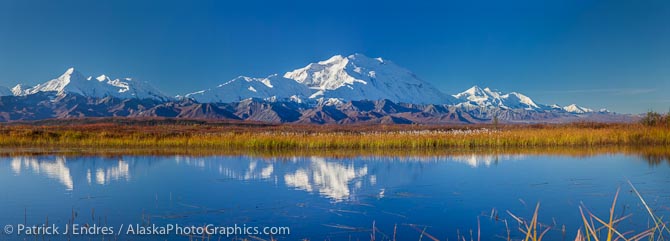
{"x": 653, "y": 130}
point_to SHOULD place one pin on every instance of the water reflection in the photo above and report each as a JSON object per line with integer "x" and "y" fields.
{"x": 52, "y": 168}
{"x": 484, "y": 160}
{"x": 330, "y": 179}
{"x": 252, "y": 171}
{"x": 114, "y": 173}
{"x": 445, "y": 192}
{"x": 102, "y": 170}
{"x": 656, "y": 159}
{"x": 334, "y": 179}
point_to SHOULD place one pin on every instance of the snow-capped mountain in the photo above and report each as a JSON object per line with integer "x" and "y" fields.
{"x": 555, "y": 107}
{"x": 17, "y": 90}
{"x": 273, "y": 87}
{"x": 578, "y": 109}
{"x": 477, "y": 97}
{"x": 338, "y": 79}
{"x": 4, "y": 91}
{"x": 357, "y": 77}
{"x": 341, "y": 89}
{"x": 73, "y": 81}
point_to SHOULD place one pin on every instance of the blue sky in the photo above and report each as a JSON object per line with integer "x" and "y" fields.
{"x": 613, "y": 54}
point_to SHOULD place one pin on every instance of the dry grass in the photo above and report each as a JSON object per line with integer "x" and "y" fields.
{"x": 598, "y": 229}
{"x": 297, "y": 137}
{"x": 594, "y": 228}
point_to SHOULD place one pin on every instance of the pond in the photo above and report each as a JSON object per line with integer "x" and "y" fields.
{"x": 322, "y": 198}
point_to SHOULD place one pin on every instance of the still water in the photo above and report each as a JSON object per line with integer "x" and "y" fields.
{"x": 323, "y": 198}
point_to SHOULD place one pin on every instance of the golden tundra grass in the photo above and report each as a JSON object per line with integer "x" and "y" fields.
{"x": 298, "y": 137}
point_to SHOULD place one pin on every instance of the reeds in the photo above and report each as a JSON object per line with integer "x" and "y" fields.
{"x": 595, "y": 230}
{"x": 593, "y": 227}
{"x": 333, "y": 137}
{"x": 598, "y": 229}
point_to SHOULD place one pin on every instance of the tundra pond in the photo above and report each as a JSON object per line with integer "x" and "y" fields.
{"x": 471, "y": 196}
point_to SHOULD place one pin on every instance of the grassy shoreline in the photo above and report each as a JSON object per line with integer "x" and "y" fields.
{"x": 307, "y": 137}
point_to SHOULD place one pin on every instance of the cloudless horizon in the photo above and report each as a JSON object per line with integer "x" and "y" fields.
{"x": 599, "y": 54}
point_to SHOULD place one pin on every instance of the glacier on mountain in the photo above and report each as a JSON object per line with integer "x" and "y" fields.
{"x": 330, "y": 82}
{"x": 73, "y": 81}
{"x": 487, "y": 98}
{"x": 357, "y": 77}
{"x": 573, "y": 108}
{"x": 354, "y": 77}
{"x": 273, "y": 87}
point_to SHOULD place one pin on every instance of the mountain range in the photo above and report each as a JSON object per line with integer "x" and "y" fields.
{"x": 338, "y": 79}
{"x": 341, "y": 89}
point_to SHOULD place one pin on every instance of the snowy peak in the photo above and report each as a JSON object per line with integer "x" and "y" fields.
{"x": 341, "y": 78}
{"x": 473, "y": 94}
{"x": 273, "y": 87}
{"x": 69, "y": 75}
{"x": 102, "y": 78}
{"x": 72, "y": 81}
{"x": 329, "y": 74}
{"x": 487, "y": 98}
{"x": 555, "y": 107}
{"x": 524, "y": 101}
{"x": 573, "y": 108}
{"x": 18, "y": 89}
{"x": 358, "y": 77}
{"x": 476, "y": 97}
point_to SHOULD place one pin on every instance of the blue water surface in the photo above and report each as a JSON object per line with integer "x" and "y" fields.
{"x": 323, "y": 198}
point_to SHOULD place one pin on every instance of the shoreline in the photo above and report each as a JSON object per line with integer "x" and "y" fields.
{"x": 653, "y": 155}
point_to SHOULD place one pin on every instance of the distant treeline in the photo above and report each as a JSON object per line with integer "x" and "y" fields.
{"x": 653, "y": 118}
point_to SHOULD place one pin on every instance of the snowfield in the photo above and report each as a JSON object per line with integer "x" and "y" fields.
{"x": 330, "y": 82}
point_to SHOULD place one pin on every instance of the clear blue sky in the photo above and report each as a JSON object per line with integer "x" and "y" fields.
{"x": 613, "y": 54}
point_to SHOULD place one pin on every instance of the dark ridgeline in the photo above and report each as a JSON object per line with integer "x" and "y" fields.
{"x": 46, "y": 105}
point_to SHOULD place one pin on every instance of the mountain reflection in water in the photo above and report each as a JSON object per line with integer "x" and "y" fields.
{"x": 102, "y": 171}
{"x": 318, "y": 195}
{"x": 333, "y": 179}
